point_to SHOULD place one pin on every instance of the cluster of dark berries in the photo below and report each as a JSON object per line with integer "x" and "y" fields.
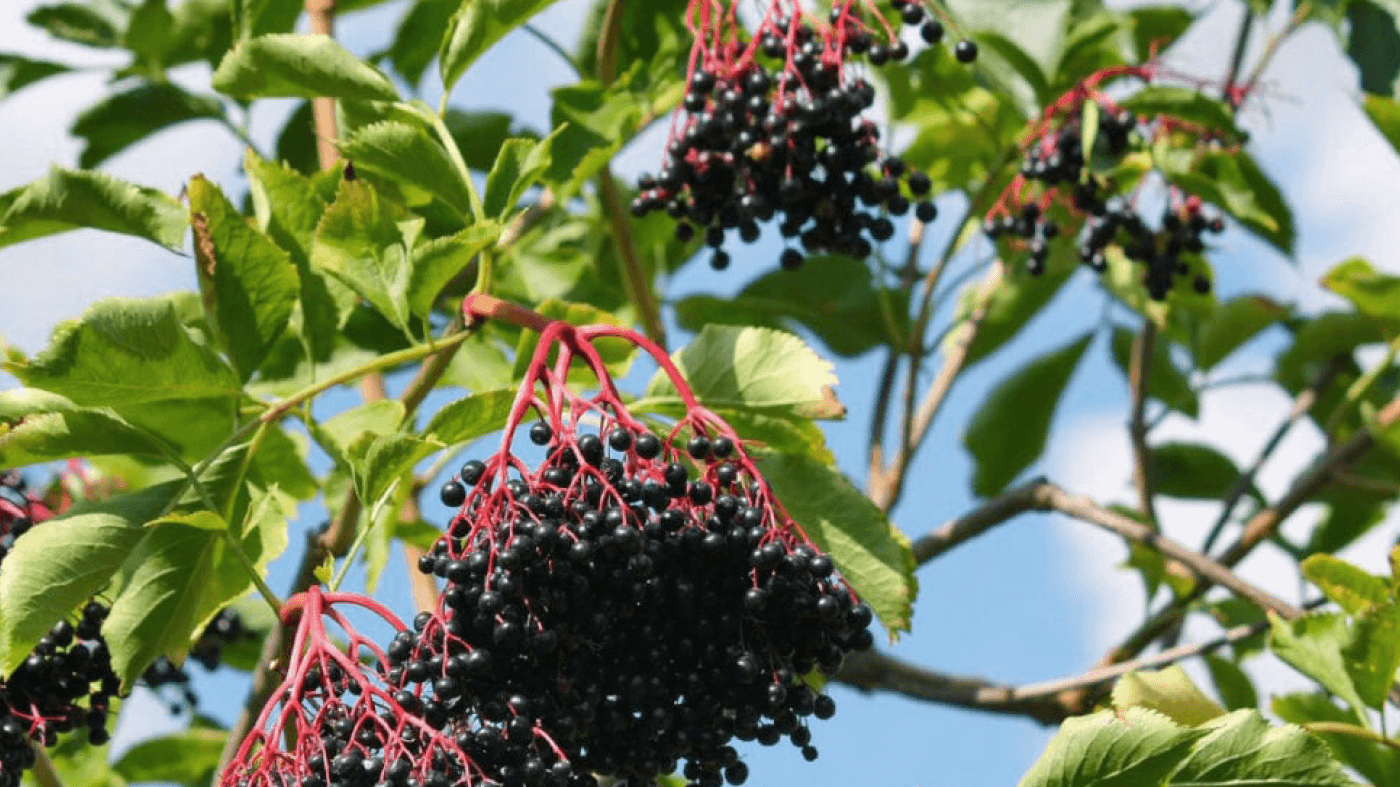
{"x": 1055, "y": 173}
{"x": 349, "y": 727}
{"x": 163, "y": 675}
{"x": 773, "y": 127}
{"x": 67, "y": 682}
{"x": 636, "y": 601}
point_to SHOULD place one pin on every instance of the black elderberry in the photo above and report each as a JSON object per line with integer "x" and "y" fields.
{"x": 540, "y": 433}
{"x": 698, "y": 447}
{"x": 453, "y": 494}
{"x": 648, "y": 446}
{"x": 965, "y": 51}
{"x": 719, "y": 260}
{"x": 791, "y": 259}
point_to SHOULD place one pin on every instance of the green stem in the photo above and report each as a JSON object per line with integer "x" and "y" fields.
{"x": 258, "y": 582}
{"x": 1350, "y": 730}
{"x": 453, "y": 152}
{"x": 1362, "y": 385}
{"x": 554, "y": 47}
{"x": 363, "y": 533}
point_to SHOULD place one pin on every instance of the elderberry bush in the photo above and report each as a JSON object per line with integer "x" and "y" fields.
{"x": 67, "y": 682}
{"x": 772, "y": 127}
{"x": 165, "y": 677}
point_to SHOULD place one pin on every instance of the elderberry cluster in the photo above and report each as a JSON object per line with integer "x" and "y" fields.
{"x": 224, "y": 630}
{"x": 1057, "y": 160}
{"x": 774, "y": 128}
{"x": 66, "y": 683}
{"x": 630, "y": 609}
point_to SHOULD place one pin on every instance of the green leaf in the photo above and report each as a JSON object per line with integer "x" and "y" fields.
{"x": 377, "y": 460}
{"x": 1384, "y": 114}
{"x": 335, "y": 435}
{"x": 470, "y": 417}
{"x": 199, "y": 520}
{"x": 95, "y": 23}
{"x": 1373, "y": 655}
{"x": 1132, "y": 748}
{"x": 123, "y": 119}
{"x": 250, "y": 285}
{"x": 1244, "y": 191}
{"x": 66, "y": 200}
{"x": 1168, "y": 691}
{"x": 1013, "y": 302}
{"x": 365, "y": 242}
{"x": 798, "y": 437}
{"x": 1313, "y": 645}
{"x": 406, "y": 153}
{"x": 870, "y": 551}
{"x": 188, "y": 757}
{"x": 1157, "y": 26}
{"x": 752, "y": 368}
{"x": 1231, "y": 325}
{"x": 46, "y": 430}
{"x": 127, "y": 351}
{"x": 1378, "y": 763}
{"x": 1349, "y": 587}
{"x": 1183, "y": 103}
{"x": 841, "y": 306}
{"x": 1192, "y": 471}
{"x": 518, "y": 166}
{"x": 54, "y": 569}
{"x": 411, "y": 51}
{"x": 1321, "y": 338}
{"x": 1165, "y": 382}
{"x": 480, "y": 135}
{"x": 1235, "y": 688}
{"x": 441, "y": 260}
{"x": 296, "y": 143}
{"x": 1241, "y": 748}
{"x": 1375, "y": 294}
{"x": 1351, "y": 513}
{"x": 1373, "y": 42}
{"x": 477, "y": 25}
{"x": 288, "y": 65}
{"x": 18, "y": 72}
{"x": 1008, "y": 432}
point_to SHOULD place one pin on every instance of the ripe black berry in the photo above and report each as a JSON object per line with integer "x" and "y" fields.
{"x": 453, "y": 494}
{"x": 965, "y": 51}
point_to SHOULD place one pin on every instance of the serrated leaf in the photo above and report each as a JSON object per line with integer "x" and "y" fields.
{"x": 335, "y": 435}
{"x": 249, "y": 284}
{"x": 127, "y": 351}
{"x": 1007, "y": 434}
{"x": 1191, "y": 471}
{"x": 1373, "y": 293}
{"x": 1168, "y": 691}
{"x": 377, "y": 460}
{"x": 122, "y": 119}
{"x": 96, "y": 23}
{"x": 440, "y": 260}
{"x": 187, "y": 757}
{"x": 841, "y": 306}
{"x": 199, "y": 520}
{"x": 407, "y": 154}
{"x": 36, "y": 426}
{"x": 1165, "y": 382}
{"x": 54, "y": 569}
{"x": 518, "y": 166}
{"x": 66, "y": 200}
{"x": 1132, "y": 748}
{"x": 1231, "y": 324}
{"x": 471, "y": 417}
{"x": 281, "y": 460}
{"x": 868, "y": 549}
{"x": 365, "y": 241}
{"x": 752, "y": 368}
{"x": 1349, "y": 587}
{"x": 477, "y": 25}
{"x": 1313, "y": 645}
{"x": 1235, "y": 688}
{"x": 1377, "y": 762}
{"x": 1241, "y": 748}
{"x": 17, "y": 72}
{"x": 289, "y": 65}
{"x": 1373, "y": 655}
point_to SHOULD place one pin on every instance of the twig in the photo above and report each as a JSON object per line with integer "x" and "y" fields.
{"x": 321, "y": 14}
{"x": 1042, "y": 495}
{"x": 1301, "y": 405}
{"x": 876, "y": 478}
{"x": 1044, "y": 701}
{"x": 1237, "y": 60}
{"x": 1139, "y": 377}
{"x": 423, "y": 587}
{"x": 44, "y": 772}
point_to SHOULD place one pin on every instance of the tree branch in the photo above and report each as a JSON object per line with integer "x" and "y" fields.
{"x": 1045, "y": 701}
{"x": 1139, "y": 377}
{"x": 322, "y": 19}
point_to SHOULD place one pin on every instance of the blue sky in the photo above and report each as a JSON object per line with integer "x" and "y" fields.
{"x": 1033, "y": 600}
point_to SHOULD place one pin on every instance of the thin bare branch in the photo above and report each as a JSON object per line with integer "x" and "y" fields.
{"x": 1139, "y": 377}
{"x": 44, "y": 772}
{"x": 321, "y": 14}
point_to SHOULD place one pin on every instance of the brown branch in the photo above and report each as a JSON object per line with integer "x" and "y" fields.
{"x": 1043, "y": 495}
{"x": 322, "y": 18}
{"x": 1139, "y": 377}
{"x": 1045, "y": 701}
{"x": 1302, "y": 403}
{"x": 876, "y": 476}
{"x": 423, "y": 586}
{"x": 44, "y": 772}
